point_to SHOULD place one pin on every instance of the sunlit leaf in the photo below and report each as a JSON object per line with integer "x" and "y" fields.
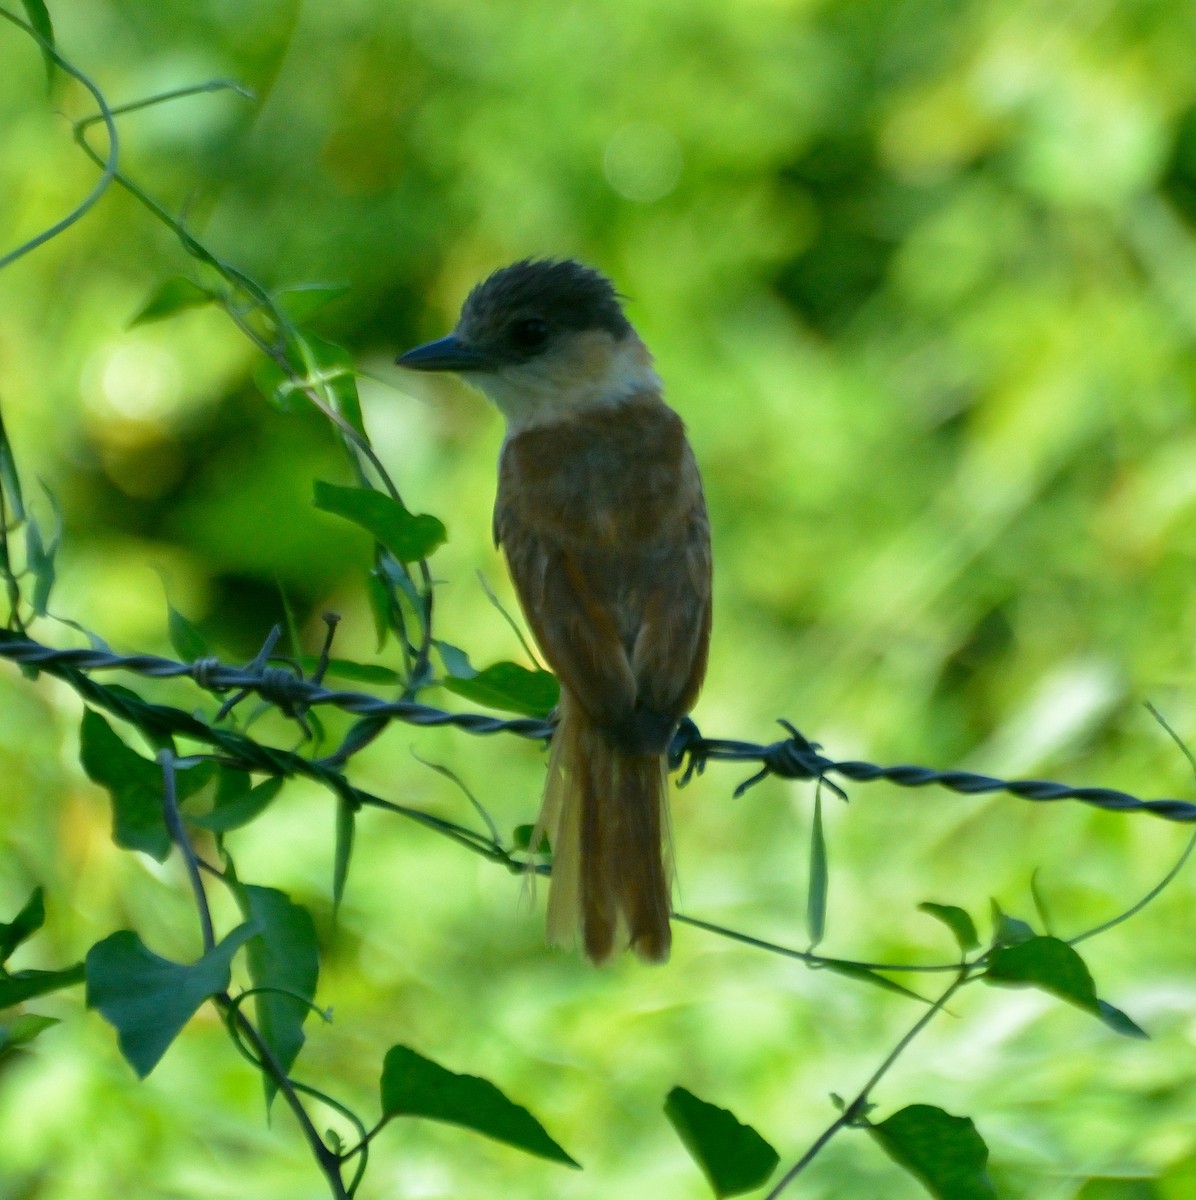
{"x": 944, "y": 1152}
{"x": 819, "y": 879}
{"x": 133, "y": 783}
{"x": 409, "y": 537}
{"x": 189, "y": 644}
{"x": 733, "y": 1156}
{"x": 20, "y": 1031}
{"x": 415, "y": 1086}
{"x": 304, "y": 300}
{"x": 509, "y": 687}
{"x": 329, "y": 369}
{"x": 149, "y": 999}
{"x": 956, "y": 920}
{"x": 172, "y": 296}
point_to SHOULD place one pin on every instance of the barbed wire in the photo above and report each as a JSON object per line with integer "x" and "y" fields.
{"x": 792, "y": 757}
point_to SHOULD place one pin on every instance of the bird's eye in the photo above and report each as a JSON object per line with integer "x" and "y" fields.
{"x": 529, "y": 334}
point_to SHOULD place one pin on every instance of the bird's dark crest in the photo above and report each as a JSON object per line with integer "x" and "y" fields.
{"x": 565, "y": 294}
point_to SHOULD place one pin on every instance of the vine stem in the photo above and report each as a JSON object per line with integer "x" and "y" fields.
{"x": 853, "y": 1112}
{"x": 327, "y": 1159}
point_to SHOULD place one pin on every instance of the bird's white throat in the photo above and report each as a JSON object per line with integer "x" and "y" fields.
{"x": 586, "y": 370}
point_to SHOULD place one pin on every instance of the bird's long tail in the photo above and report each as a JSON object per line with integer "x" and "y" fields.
{"x": 606, "y": 818}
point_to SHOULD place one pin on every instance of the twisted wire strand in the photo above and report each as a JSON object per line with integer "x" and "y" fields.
{"x": 792, "y": 757}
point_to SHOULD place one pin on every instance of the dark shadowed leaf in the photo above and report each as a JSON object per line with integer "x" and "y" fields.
{"x": 10, "y": 481}
{"x": 407, "y": 536}
{"x": 343, "y": 668}
{"x": 732, "y": 1156}
{"x": 816, "y": 892}
{"x": 26, "y": 985}
{"x": 956, "y": 920}
{"x": 149, "y": 999}
{"x": 26, "y": 923}
{"x": 346, "y": 827}
{"x": 456, "y": 661}
{"x": 1007, "y": 930}
{"x": 509, "y": 687}
{"x": 39, "y": 18}
{"x": 414, "y": 1086}
{"x": 173, "y": 296}
{"x": 379, "y": 599}
{"x": 944, "y": 1152}
{"x": 134, "y": 784}
{"x": 237, "y": 803}
{"x": 283, "y": 955}
{"x": 1055, "y": 967}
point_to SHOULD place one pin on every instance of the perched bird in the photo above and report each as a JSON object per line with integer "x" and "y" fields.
{"x": 601, "y": 517}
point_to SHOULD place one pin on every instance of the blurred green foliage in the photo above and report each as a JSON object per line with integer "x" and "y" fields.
{"x": 921, "y": 278}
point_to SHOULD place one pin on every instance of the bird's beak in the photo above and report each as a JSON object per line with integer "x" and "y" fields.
{"x": 447, "y": 354}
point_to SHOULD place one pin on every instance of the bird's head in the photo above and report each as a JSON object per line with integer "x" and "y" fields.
{"x": 543, "y": 339}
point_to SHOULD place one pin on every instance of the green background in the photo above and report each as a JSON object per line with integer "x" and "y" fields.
{"x": 921, "y": 279}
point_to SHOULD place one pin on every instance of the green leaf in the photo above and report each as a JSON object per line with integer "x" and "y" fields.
{"x": 27, "y": 985}
{"x": 26, "y": 923}
{"x": 1009, "y": 931}
{"x": 304, "y": 300}
{"x": 733, "y": 1156}
{"x": 274, "y": 383}
{"x": 10, "y": 480}
{"x": 39, "y": 18}
{"x": 456, "y": 661}
{"x": 522, "y": 839}
{"x": 188, "y": 642}
{"x": 346, "y": 825}
{"x": 414, "y": 1086}
{"x": 283, "y": 955}
{"x": 134, "y": 784}
{"x": 1055, "y": 967}
{"x": 40, "y": 559}
{"x": 944, "y": 1152}
{"x": 379, "y": 600}
{"x": 237, "y": 803}
{"x": 816, "y": 892}
{"x": 173, "y": 296}
{"x": 956, "y": 920}
{"x": 407, "y": 536}
{"x": 343, "y": 668}
{"x": 1108, "y": 1187}
{"x": 329, "y": 369}
{"x": 867, "y": 975}
{"x": 22, "y": 1030}
{"x": 149, "y": 999}
{"x": 509, "y": 687}
{"x": 1119, "y": 1022}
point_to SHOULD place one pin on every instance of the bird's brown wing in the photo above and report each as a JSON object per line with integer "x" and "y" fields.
{"x": 615, "y": 586}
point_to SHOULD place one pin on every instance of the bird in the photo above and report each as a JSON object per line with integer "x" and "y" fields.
{"x": 600, "y": 514}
